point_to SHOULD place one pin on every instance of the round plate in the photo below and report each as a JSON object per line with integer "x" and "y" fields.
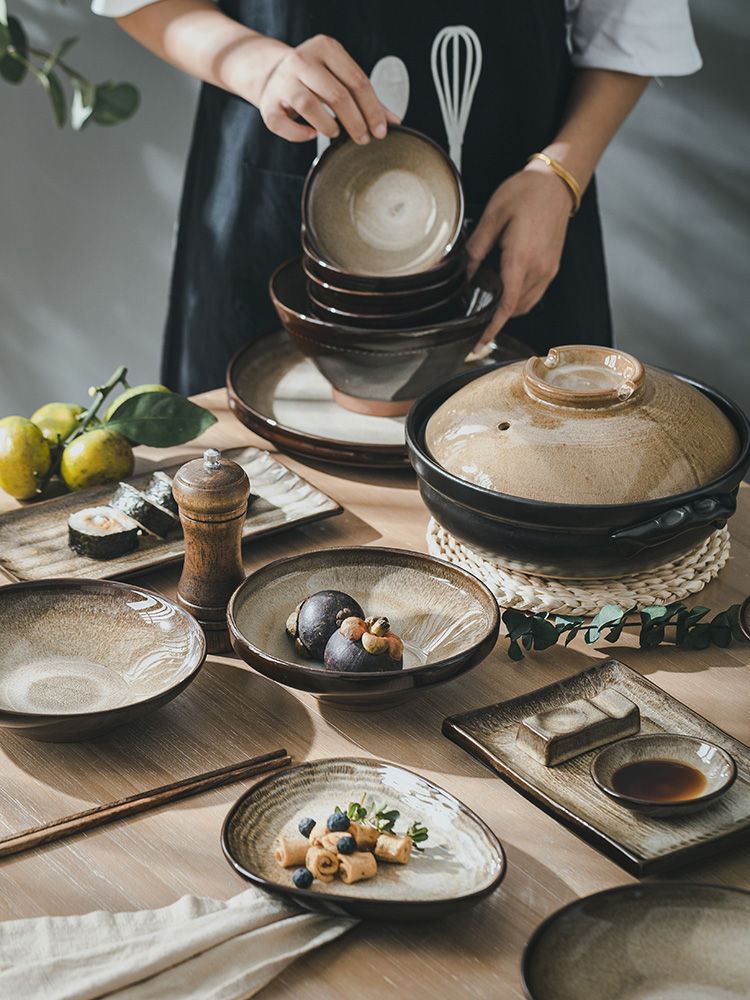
{"x": 279, "y": 394}
{"x": 661, "y": 941}
{"x": 461, "y": 861}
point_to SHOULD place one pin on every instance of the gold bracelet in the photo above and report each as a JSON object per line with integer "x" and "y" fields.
{"x": 564, "y": 175}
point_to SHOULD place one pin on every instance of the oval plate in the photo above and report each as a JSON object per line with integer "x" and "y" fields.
{"x": 461, "y": 861}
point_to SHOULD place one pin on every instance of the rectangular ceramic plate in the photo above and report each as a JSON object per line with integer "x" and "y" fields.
{"x": 641, "y": 845}
{"x": 34, "y": 539}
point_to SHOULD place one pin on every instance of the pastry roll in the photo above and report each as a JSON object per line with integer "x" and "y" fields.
{"x": 317, "y": 833}
{"x": 331, "y": 840}
{"x": 356, "y": 866}
{"x": 290, "y": 851}
{"x": 396, "y": 850}
{"x": 364, "y": 834}
{"x": 322, "y": 863}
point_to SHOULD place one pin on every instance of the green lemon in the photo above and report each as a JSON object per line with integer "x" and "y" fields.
{"x": 57, "y": 420}
{"x": 134, "y": 390}
{"x": 96, "y": 457}
{"x": 24, "y": 457}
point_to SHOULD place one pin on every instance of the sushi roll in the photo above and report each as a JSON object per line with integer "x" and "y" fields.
{"x": 159, "y": 489}
{"x": 152, "y": 517}
{"x": 102, "y": 533}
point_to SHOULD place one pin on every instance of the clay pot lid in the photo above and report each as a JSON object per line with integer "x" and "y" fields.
{"x": 584, "y": 425}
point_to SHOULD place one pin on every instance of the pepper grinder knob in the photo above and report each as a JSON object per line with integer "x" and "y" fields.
{"x": 212, "y": 494}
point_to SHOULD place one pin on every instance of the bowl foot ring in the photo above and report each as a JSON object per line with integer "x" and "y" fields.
{"x": 674, "y": 581}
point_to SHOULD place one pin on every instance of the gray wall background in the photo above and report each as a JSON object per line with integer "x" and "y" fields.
{"x": 86, "y": 220}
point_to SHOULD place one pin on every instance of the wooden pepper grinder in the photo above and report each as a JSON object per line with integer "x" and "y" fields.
{"x": 212, "y": 494}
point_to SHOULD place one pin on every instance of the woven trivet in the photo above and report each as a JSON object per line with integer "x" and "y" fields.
{"x": 671, "y": 582}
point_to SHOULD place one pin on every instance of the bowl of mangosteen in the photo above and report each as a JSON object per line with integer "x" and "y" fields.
{"x": 362, "y": 627}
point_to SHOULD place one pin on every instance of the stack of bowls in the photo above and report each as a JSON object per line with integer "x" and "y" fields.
{"x": 379, "y": 298}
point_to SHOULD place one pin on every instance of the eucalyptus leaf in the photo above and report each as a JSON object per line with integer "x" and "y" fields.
{"x": 160, "y": 419}
{"x": 609, "y": 615}
{"x": 3, "y": 13}
{"x": 82, "y": 105}
{"x": 544, "y": 633}
{"x": 13, "y": 69}
{"x": 115, "y": 102}
{"x": 733, "y": 614}
{"x": 699, "y": 637}
{"x": 56, "y": 96}
{"x": 57, "y": 54}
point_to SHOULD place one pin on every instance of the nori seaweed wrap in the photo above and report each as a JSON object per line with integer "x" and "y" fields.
{"x": 159, "y": 489}
{"x": 152, "y": 517}
{"x": 102, "y": 532}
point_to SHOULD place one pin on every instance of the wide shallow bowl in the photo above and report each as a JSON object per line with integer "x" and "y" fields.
{"x": 391, "y": 207}
{"x": 560, "y": 539}
{"x": 446, "y": 618}
{"x": 375, "y": 370}
{"x": 80, "y": 657}
{"x": 656, "y": 941}
{"x": 667, "y": 774}
{"x": 461, "y": 862}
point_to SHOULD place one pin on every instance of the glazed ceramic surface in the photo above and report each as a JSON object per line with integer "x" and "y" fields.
{"x": 586, "y": 425}
{"x": 374, "y": 302}
{"x": 34, "y": 539}
{"x": 550, "y": 538}
{"x": 80, "y": 657}
{"x": 715, "y": 764}
{"x": 462, "y": 860}
{"x": 447, "y": 619}
{"x": 390, "y": 207}
{"x": 641, "y": 844}
{"x": 659, "y": 941}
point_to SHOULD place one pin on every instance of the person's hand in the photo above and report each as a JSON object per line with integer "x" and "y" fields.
{"x": 316, "y": 73}
{"x": 527, "y": 219}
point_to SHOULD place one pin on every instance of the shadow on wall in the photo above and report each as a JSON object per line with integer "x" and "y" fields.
{"x": 676, "y": 207}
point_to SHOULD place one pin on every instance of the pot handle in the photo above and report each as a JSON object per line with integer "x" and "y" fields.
{"x": 699, "y": 514}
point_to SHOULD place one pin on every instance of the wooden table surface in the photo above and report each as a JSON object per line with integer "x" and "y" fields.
{"x": 230, "y": 713}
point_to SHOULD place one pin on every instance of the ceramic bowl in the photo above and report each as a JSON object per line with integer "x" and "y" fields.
{"x": 744, "y": 618}
{"x": 446, "y": 618}
{"x": 461, "y": 862}
{"x": 382, "y": 371}
{"x": 449, "y": 307}
{"x": 599, "y": 537}
{"x": 661, "y": 784}
{"x": 666, "y": 941}
{"x": 80, "y": 657}
{"x": 391, "y": 207}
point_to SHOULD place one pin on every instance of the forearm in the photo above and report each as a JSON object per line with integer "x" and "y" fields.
{"x": 197, "y": 38}
{"x": 600, "y": 101}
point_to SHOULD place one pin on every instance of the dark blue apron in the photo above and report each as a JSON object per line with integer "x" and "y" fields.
{"x": 240, "y": 210}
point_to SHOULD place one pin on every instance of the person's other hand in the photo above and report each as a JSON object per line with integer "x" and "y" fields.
{"x": 316, "y": 73}
{"x": 527, "y": 219}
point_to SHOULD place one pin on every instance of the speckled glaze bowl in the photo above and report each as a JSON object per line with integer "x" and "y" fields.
{"x": 391, "y": 207}
{"x": 714, "y": 763}
{"x": 382, "y": 371}
{"x": 588, "y": 466}
{"x": 447, "y": 619}
{"x": 80, "y": 657}
{"x": 461, "y": 862}
{"x": 653, "y": 941}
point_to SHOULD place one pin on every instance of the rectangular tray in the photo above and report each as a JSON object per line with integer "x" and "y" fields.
{"x": 34, "y": 539}
{"x": 641, "y": 845}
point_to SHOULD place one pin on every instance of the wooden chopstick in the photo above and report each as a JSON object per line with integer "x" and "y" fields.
{"x": 140, "y": 802}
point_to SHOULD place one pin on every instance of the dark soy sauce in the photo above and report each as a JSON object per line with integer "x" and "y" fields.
{"x": 659, "y": 780}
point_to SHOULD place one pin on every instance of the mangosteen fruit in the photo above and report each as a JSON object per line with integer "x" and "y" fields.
{"x": 315, "y": 619}
{"x": 362, "y": 645}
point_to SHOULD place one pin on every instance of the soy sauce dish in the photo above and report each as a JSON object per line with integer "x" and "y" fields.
{"x": 662, "y": 774}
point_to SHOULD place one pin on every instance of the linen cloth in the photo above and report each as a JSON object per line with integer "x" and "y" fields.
{"x": 195, "y": 949}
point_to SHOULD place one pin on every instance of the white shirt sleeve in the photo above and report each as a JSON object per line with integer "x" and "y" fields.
{"x": 646, "y": 37}
{"x": 117, "y": 8}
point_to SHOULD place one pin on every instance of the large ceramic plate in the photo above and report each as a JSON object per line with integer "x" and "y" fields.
{"x": 279, "y": 394}
{"x": 34, "y": 539}
{"x": 641, "y": 844}
{"x": 462, "y": 860}
{"x": 652, "y": 942}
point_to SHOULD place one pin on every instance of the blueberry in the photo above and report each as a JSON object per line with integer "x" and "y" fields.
{"x": 306, "y": 825}
{"x": 346, "y": 845}
{"x": 302, "y": 878}
{"x": 337, "y": 822}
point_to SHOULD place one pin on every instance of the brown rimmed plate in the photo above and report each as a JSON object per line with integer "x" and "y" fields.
{"x": 641, "y": 844}
{"x": 667, "y": 941}
{"x": 461, "y": 862}
{"x": 34, "y": 539}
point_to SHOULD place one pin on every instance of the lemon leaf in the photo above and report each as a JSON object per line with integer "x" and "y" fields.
{"x": 160, "y": 419}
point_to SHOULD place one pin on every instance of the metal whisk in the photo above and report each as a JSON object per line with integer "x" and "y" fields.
{"x": 456, "y": 48}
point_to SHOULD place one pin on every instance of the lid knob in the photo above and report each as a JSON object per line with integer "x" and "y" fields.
{"x": 584, "y": 376}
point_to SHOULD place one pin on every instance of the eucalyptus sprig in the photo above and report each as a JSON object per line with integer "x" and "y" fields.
{"x": 686, "y": 627}
{"x": 104, "y": 103}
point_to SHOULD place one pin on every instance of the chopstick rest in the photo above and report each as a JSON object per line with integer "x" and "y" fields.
{"x": 141, "y": 802}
